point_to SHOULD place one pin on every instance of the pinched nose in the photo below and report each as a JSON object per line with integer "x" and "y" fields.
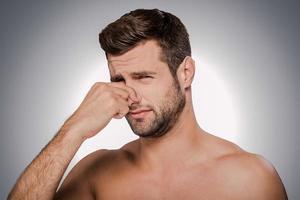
{"x": 134, "y": 99}
{"x": 134, "y": 95}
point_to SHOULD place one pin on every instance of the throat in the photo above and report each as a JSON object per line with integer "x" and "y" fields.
{"x": 178, "y": 146}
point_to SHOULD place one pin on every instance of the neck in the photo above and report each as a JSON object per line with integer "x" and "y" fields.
{"x": 175, "y": 147}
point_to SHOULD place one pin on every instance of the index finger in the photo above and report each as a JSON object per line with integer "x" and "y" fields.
{"x": 132, "y": 93}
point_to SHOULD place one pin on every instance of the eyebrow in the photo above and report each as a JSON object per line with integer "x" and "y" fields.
{"x": 119, "y": 77}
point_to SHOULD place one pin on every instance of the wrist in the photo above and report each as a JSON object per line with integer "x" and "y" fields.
{"x": 72, "y": 134}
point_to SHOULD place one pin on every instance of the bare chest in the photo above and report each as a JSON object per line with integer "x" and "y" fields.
{"x": 181, "y": 186}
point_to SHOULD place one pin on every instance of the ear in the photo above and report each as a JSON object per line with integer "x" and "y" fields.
{"x": 186, "y": 72}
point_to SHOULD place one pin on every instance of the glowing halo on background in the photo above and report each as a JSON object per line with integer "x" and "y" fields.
{"x": 213, "y": 102}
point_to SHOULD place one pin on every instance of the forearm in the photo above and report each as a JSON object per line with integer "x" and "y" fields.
{"x": 41, "y": 178}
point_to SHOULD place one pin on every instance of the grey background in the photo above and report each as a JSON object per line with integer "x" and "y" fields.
{"x": 50, "y": 56}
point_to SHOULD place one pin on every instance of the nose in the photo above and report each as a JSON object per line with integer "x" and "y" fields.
{"x": 136, "y": 93}
{"x": 132, "y": 102}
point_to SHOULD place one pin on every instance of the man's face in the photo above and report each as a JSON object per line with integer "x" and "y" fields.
{"x": 162, "y": 100}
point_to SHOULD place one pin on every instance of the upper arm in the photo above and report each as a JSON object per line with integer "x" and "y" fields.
{"x": 78, "y": 184}
{"x": 75, "y": 190}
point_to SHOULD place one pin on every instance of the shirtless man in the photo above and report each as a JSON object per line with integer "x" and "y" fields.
{"x": 149, "y": 58}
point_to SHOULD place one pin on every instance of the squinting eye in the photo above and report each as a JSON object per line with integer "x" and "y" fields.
{"x": 144, "y": 77}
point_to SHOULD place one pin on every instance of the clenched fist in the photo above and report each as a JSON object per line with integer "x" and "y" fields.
{"x": 103, "y": 102}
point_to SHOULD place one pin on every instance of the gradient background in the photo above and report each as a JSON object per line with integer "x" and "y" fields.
{"x": 246, "y": 87}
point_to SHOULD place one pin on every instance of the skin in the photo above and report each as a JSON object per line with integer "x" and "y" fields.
{"x": 184, "y": 163}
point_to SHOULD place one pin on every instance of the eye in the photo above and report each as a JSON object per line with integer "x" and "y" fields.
{"x": 144, "y": 77}
{"x": 117, "y": 79}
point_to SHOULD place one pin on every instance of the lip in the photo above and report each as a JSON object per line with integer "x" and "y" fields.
{"x": 139, "y": 113}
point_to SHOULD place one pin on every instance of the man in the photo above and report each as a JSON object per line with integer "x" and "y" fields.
{"x": 149, "y": 59}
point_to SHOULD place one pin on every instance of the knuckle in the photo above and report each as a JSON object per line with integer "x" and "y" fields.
{"x": 100, "y": 85}
{"x": 114, "y": 99}
{"x": 106, "y": 94}
{"x": 107, "y": 97}
{"x": 96, "y": 84}
{"x": 112, "y": 104}
{"x": 111, "y": 95}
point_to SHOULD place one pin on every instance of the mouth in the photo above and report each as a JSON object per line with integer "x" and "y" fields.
{"x": 141, "y": 113}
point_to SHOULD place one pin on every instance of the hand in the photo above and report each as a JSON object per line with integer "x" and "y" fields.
{"x": 103, "y": 102}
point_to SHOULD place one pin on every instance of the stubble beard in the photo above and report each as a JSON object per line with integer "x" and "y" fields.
{"x": 165, "y": 116}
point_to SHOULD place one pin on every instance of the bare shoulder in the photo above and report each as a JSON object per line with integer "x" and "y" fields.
{"x": 79, "y": 183}
{"x": 252, "y": 176}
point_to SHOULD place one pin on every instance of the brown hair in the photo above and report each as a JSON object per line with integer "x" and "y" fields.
{"x": 143, "y": 24}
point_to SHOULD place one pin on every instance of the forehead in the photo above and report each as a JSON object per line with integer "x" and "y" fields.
{"x": 145, "y": 56}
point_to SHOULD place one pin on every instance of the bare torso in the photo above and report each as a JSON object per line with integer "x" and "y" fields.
{"x": 220, "y": 171}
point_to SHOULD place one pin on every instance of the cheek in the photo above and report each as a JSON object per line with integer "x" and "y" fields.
{"x": 151, "y": 96}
